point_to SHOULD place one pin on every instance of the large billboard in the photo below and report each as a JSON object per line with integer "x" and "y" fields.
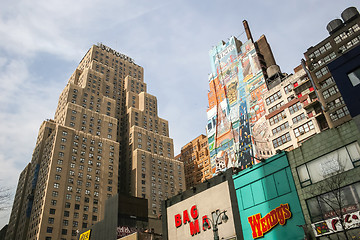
{"x": 185, "y": 219}
{"x": 236, "y": 111}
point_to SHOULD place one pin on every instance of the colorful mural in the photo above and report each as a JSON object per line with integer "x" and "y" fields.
{"x": 235, "y": 105}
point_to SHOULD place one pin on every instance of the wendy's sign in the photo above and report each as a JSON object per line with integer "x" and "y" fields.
{"x": 261, "y": 225}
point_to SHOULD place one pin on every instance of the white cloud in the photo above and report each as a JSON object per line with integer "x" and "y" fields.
{"x": 170, "y": 39}
{"x": 23, "y": 107}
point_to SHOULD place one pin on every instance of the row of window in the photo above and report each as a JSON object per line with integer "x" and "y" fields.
{"x": 275, "y": 107}
{"x": 273, "y": 98}
{"x": 281, "y": 140}
{"x": 295, "y": 107}
{"x": 303, "y": 128}
{"x": 321, "y": 50}
{"x": 322, "y": 207}
{"x": 335, "y": 162}
{"x": 280, "y": 128}
{"x": 324, "y": 60}
{"x": 277, "y": 118}
{"x": 288, "y": 88}
{"x": 298, "y": 118}
{"x": 327, "y": 82}
{"x": 340, "y": 113}
{"x": 321, "y": 72}
{"x": 342, "y": 36}
{"x": 349, "y": 44}
{"x": 336, "y": 103}
{"x": 330, "y": 91}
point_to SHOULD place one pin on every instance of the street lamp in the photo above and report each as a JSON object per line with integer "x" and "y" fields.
{"x": 215, "y": 223}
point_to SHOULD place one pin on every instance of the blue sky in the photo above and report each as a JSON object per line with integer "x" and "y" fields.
{"x": 42, "y": 42}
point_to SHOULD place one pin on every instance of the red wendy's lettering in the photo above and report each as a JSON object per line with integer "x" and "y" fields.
{"x": 254, "y": 221}
{"x": 261, "y": 225}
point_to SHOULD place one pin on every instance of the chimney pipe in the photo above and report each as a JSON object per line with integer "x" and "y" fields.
{"x": 247, "y": 30}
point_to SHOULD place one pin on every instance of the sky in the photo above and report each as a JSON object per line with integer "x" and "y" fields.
{"x": 42, "y": 42}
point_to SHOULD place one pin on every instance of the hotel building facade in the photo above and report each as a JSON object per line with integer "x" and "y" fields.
{"x": 106, "y": 138}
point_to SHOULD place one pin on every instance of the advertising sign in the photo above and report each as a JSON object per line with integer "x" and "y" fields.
{"x": 236, "y": 122}
{"x": 123, "y": 231}
{"x": 85, "y": 235}
{"x": 185, "y": 219}
{"x": 333, "y": 225}
{"x": 261, "y": 225}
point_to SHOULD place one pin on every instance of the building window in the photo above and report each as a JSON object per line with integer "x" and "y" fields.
{"x": 340, "y": 160}
{"x": 354, "y": 77}
{"x": 51, "y": 220}
{"x": 277, "y": 118}
{"x": 273, "y": 98}
{"x": 298, "y": 118}
{"x": 342, "y": 112}
{"x": 329, "y": 92}
{"x": 321, "y": 72}
{"x": 66, "y": 213}
{"x": 281, "y": 140}
{"x": 322, "y": 207}
{"x": 303, "y": 128}
{"x": 295, "y": 107}
{"x": 327, "y": 82}
{"x": 288, "y": 88}
{"x": 336, "y": 103}
{"x": 275, "y": 107}
{"x": 280, "y": 128}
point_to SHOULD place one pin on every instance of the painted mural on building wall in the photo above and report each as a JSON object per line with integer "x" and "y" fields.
{"x": 236, "y": 109}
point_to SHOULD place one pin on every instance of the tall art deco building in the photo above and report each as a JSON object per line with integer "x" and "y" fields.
{"x": 106, "y": 138}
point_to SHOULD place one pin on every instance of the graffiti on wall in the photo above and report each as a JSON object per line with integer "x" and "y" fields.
{"x": 236, "y": 108}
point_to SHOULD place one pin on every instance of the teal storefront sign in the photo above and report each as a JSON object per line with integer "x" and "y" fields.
{"x": 268, "y": 202}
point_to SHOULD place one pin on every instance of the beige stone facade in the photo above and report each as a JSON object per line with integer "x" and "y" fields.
{"x": 106, "y": 137}
{"x": 17, "y": 217}
{"x": 196, "y": 159}
{"x": 290, "y": 117}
